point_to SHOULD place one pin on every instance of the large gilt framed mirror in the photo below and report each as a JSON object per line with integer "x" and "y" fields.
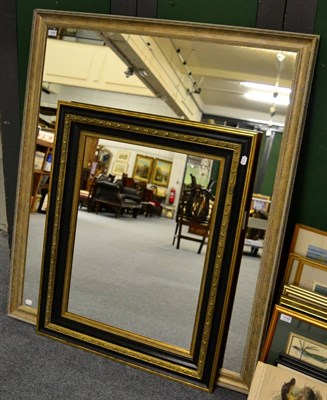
{"x": 194, "y": 72}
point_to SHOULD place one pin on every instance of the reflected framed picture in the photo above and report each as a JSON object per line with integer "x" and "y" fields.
{"x": 123, "y": 155}
{"x": 119, "y": 168}
{"x": 310, "y": 242}
{"x": 306, "y": 273}
{"x": 286, "y": 323}
{"x": 260, "y": 202}
{"x": 161, "y": 172}
{"x": 142, "y": 168}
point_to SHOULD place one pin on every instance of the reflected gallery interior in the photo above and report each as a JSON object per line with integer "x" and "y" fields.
{"x": 126, "y": 192}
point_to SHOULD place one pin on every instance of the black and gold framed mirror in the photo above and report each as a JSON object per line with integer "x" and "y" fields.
{"x": 192, "y": 355}
{"x": 233, "y": 55}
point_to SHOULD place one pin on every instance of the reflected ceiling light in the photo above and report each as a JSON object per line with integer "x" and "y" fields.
{"x": 195, "y": 86}
{"x": 267, "y": 98}
{"x": 267, "y": 88}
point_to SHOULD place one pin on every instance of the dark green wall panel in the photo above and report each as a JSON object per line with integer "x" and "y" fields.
{"x": 309, "y": 202}
{"x": 224, "y": 12}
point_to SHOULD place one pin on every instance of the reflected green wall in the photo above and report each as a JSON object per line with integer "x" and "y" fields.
{"x": 270, "y": 173}
{"x": 310, "y": 192}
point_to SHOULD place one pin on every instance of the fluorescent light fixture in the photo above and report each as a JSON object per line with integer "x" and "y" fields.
{"x": 267, "y": 98}
{"x": 266, "y": 88}
{"x": 143, "y": 73}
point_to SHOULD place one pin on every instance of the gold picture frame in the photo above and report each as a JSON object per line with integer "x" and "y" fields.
{"x": 309, "y": 242}
{"x": 142, "y": 168}
{"x": 304, "y": 301}
{"x": 161, "y": 172}
{"x": 306, "y": 273}
{"x": 282, "y": 323}
{"x": 123, "y": 155}
{"x": 260, "y": 202}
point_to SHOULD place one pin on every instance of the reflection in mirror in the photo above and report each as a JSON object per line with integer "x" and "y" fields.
{"x": 212, "y": 86}
{"x": 221, "y": 83}
{"x": 140, "y": 280}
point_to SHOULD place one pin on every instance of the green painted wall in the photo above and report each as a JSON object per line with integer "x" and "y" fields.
{"x": 309, "y": 202}
{"x": 224, "y": 12}
{"x": 310, "y": 193}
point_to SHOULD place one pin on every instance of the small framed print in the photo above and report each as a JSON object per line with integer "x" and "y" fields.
{"x": 280, "y": 382}
{"x": 307, "y": 350}
{"x": 119, "y": 168}
{"x": 310, "y": 243}
{"x": 284, "y": 322}
{"x": 260, "y": 202}
{"x": 123, "y": 155}
{"x": 306, "y": 273}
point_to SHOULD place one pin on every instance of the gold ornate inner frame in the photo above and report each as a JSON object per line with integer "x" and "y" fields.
{"x": 237, "y": 152}
{"x": 305, "y": 47}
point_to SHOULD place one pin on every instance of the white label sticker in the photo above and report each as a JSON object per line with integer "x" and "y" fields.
{"x": 286, "y": 318}
{"x": 28, "y": 302}
{"x": 52, "y": 32}
{"x": 244, "y": 160}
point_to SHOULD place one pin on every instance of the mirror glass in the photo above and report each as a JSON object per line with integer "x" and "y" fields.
{"x": 226, "y": 76}
{"x": 146, "y": 286}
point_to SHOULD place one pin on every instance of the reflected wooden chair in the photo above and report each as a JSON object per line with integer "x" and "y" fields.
{"x": 193, "y": 212}
{"x": 85, "y": 196}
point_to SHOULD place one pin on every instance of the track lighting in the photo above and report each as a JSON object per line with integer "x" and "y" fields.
{"x": 129, "y": 72}
{"x": 195, "y": 88}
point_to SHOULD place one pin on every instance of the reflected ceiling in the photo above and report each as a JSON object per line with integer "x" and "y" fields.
{"x": 206, "y": 72}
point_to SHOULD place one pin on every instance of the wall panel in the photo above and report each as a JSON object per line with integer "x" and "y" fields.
{"x": 224, "y": 12}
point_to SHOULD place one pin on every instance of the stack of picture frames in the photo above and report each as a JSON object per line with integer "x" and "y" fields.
{"x": 297, "y": 334}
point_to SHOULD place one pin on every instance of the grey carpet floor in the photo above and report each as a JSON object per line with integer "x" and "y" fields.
{"x": 33, "y": 367}
{"x": 132, "y": 265}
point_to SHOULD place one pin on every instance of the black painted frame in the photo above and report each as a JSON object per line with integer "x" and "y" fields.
{"x": 55, "y": 321}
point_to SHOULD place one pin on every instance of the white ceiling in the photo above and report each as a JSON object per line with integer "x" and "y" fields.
{"x": 207, "y": 74}
{"x": 217, "y": 70}
{"x": 221, "y": 68}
